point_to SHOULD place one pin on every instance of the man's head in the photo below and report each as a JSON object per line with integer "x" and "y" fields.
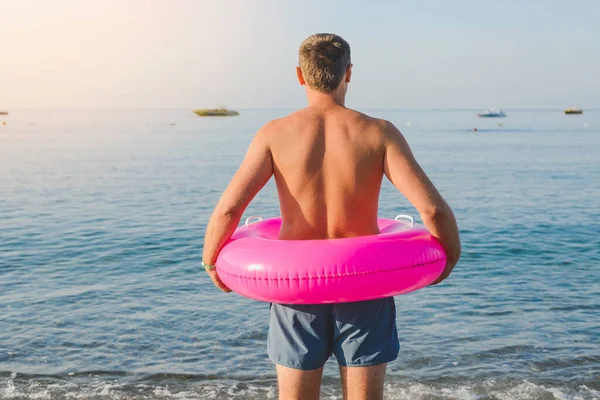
{"x": 324, "y": 62}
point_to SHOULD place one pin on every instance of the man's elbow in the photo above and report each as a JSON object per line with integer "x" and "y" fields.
{"x": 444, "y": 221}
{"x": 228, "y": 213}
{"x": 436, "y": 212}
{"x": 454, "y": 256}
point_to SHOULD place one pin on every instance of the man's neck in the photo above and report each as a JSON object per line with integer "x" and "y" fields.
{"x": 323, "y": 100}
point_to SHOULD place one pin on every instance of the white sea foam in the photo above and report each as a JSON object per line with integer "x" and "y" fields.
{"x": 218, "y": 390}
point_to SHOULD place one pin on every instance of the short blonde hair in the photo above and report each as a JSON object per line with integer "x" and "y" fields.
{"x": 324, "y": 58}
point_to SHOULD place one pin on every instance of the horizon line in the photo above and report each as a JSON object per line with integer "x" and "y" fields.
{"x": 283, "y": 109}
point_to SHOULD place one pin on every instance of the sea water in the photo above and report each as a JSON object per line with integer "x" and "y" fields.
{"x": 102, "y": 296}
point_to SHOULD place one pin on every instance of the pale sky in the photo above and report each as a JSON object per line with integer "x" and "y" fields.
{"x": 183, "y": 54}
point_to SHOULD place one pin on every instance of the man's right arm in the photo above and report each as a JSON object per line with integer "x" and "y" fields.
{"x": 406, "y": 174}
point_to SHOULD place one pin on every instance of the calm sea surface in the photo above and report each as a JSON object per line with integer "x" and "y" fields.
{"x": 102, "y": 217}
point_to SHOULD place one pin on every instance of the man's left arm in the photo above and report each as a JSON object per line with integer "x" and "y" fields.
{"x": 251, "y": 176}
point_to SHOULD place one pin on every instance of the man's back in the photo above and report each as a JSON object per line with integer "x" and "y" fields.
{"x": 328, "y": 166}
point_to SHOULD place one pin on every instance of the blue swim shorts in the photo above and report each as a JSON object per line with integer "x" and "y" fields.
{"x": 358, "y": 334}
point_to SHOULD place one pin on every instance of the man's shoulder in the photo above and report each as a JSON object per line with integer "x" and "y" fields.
{"x": 377, "y": 123}
{"x": 283, "y": 121}
{"x": 382, "y": 130}
{"x": 286, "y": 123}
{"x": 273, "y": 126}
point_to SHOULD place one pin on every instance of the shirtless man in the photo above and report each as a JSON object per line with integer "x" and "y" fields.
{"x": 329, "y": 162}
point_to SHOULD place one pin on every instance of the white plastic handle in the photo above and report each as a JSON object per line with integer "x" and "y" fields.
{"x": 250, "y": 220}
{"x": 410, "y": 219}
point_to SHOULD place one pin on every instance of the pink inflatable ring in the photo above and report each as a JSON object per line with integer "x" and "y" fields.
{"x": 402, "y": 258}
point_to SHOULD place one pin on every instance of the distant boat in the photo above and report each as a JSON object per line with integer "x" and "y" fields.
{"x": 492, "y": 113}
{"x": 569, "y": 111}
{"x": 3, "y": 112}
{"x": 215, "y": 112}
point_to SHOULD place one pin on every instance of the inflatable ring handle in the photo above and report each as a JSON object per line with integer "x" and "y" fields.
{"x": 250, "y": 219}
{"x": 410, "y": 219}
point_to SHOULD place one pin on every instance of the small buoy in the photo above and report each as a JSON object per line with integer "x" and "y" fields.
{"x": 474, "y": 129}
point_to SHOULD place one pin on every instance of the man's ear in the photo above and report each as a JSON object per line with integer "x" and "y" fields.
{"x": 348, "y": 73}
{"x": 300, "y": 76}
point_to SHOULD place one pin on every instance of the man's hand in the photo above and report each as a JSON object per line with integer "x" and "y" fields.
{"x": 214, "y": 276}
